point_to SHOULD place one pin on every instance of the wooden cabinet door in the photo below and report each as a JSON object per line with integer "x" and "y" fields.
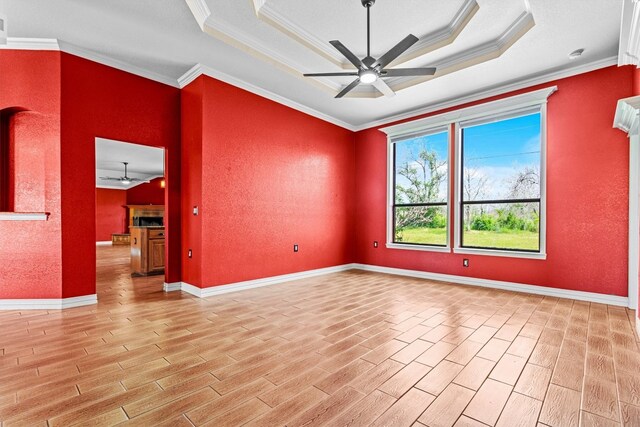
{"x": 156, "y": 254}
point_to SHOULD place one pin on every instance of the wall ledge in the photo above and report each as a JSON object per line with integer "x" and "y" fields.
{"x": 48, "y": 303}
{"x": 24, "y": 216}
{"x": 453, "y": 279}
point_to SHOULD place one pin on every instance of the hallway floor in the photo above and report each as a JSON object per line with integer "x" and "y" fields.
{"x": 350, "y": 348}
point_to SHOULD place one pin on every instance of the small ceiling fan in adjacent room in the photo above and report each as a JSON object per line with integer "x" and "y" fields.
{"x": 124, "y": 180}
{"x": 370, "y": 70}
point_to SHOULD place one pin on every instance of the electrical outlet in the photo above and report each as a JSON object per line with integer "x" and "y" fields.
{"x": 375, "y": 243}
{"x": 195, "y": 210}
{"x": 190, "y": 253}
{"x": 465, "y": 262}
{"x": 295, "y": 248}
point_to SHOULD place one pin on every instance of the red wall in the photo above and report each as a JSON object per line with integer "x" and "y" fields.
{"x": 122, "y": 107}
{"x": 274, "y": 177}
{"x": 30, "y": 251}
{"x": 191, "y": 180}
{"x": 146, "y": 194}
{"x": 110, "y": 213}
{"x": 587, "y": 196}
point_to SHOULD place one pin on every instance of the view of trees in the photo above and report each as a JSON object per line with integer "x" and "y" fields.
{"x": 425, "y": 176}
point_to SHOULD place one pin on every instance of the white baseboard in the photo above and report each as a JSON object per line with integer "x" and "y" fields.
{"x": 47, "y": 303}
{"x": 106, "y": 243}
{"x": 462, "y": 280}
{"x": 171, "y": 287}
{"x": 637, "y": 325}
{"x": 267, "y": 281}
{"x": 496, "y": 284}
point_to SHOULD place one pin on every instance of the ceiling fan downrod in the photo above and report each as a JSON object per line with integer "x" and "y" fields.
{"x": 368, "y": 4}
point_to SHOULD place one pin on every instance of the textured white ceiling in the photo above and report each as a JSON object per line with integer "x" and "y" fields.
{"x": 163, "y": 36}
{"x": 144, "y": 162}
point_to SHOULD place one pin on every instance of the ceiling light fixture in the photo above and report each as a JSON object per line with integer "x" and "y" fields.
{"x": 370, "y": 70}
{"x": 368, "y": 76}
{"x": 125, "y": 182}
{"x": 576, "y": 54}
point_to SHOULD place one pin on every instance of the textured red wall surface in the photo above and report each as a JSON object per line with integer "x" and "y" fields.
{"x": 274, "y": 177}
{"x": 146, "y": 194}
{"x": 191, "y": 181}
{"x": 99, "y": 101}
{"x": 587, "y": 196}
{"x": 30, "y": 251}
{"x": 110, "y": 213}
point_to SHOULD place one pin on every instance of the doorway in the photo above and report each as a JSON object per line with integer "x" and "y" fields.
{"x": 130, "y": 209}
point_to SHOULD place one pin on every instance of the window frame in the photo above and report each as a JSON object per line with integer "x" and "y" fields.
{"x": 459, "y": 170}
{"x": 391, "y": 191}
{"x": 537, "y": 98}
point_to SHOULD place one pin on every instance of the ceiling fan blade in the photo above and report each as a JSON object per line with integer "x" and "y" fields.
{"x": 109, "y": 178}
{"x": 402, "y": 72}
{"x": 383, "y": 87}
{"x": 347, "y": 54}
{"x": 396, "y": 51}
{"x": 329, "y": 74}
{"x": 349, "y": 88}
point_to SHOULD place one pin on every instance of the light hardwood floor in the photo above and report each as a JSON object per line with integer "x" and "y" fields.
{"x": 347, "y": 349}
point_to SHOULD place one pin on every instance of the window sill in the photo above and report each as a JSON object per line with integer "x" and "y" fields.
{"x": 24, "y": 216}
{"x": 419, "y": 247}
{"x": 507, "y": 254}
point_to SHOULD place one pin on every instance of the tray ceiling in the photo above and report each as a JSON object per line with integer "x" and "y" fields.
{"x": 481, "y": 47}
{"x": 295, "y": 35}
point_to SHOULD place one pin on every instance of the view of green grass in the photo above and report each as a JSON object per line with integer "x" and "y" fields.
{"x": 507, "y": 239}
{"x": 424, "y": 235}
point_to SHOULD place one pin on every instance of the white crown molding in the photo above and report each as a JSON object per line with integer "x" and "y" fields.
{"x": 15, "y": 43}
{"x": 428, "y": 43}
{"x": 116, "y": 63}
{"x": 453, "y": 279}
{"x": 475, "y": 55}
{"x": 626, "y": 118}
{"x": 23, "y": 43}
{"x": 47, "y": 304}
{"x": 541, "y": 78}
{"x": 256, "y": 48}
{"x": 172, "y": 287}
{"x": 497, "y": 284}
{"x": 200, "y": 70}
{"x": 200, "y": 10}
{"x": 24, "y": 216}
{"x": 629, "y": 45}
{"x": 470, "y": 57}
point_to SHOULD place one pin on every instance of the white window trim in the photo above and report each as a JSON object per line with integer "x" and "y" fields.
{"x": 390, "y": 196}
{"x": 530, "y": 99}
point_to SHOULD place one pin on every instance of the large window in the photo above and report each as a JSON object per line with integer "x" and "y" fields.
{"x": 420, "y": 189}
{"x": 496, "y": 165}
{"x": 500, "y": 182}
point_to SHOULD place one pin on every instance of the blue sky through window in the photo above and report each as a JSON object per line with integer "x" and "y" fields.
{"x": 494, "y": 153}
{"x": 498, "y": 151}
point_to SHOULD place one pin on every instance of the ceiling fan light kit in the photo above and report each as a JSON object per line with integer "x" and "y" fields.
{"x": 370, "y": 70}
{"x": 125, "y": 180}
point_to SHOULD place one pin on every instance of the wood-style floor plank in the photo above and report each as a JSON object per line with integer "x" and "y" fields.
{"x": 346, "y": 349}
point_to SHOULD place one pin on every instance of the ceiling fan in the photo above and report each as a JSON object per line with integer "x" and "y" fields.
{"x": 371, "y": 70}
{"x": 124, "y": 180}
